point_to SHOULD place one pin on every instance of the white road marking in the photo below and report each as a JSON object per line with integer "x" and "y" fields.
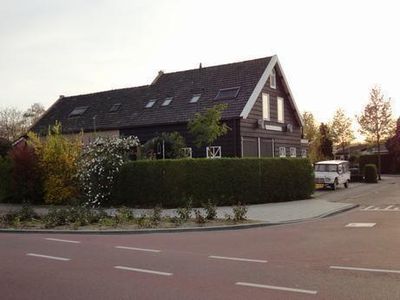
{"x": 377, "y": 208}
{"x": 369, "y": 207}
{"x": 365, "y": 269}
{"x": 143, "y": 270}
{"x": 238, "y": 259}
{"x": 65, "y": 241}
{"x": 138, "y": 249}
{"x": 280, "y": 288}
{"x": 361, "y": 225}
{"x": 48, "y": 257}
{"x": 389, "y": 207}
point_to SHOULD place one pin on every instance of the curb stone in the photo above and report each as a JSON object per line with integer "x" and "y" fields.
{"x": 187, "y": 229}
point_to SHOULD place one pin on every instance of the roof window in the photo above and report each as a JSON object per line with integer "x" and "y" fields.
{"x": 167, "y": 101}
{"x": 229, "y": 93}
{"x": 151, "y": 103}
{"x": 195, "y": 98}
{"x": 78, "y": 111}
{"x": 115, "y": 107}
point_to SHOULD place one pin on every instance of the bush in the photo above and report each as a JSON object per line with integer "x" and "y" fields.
{"x": 371, "y": 173}
{"x": 239, "y": 212}
{"x": 211, "y": 210}
{"x": 26, "y": 175}
{"x": 5, "y": 179}
{"x": 224, "y": 181}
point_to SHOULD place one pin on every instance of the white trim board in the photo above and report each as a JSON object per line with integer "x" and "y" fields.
{"x": 261, "y": 83}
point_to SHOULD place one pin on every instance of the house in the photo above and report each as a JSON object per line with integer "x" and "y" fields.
{"x": 359, "y": 149}
{"x": 261, "y": 110}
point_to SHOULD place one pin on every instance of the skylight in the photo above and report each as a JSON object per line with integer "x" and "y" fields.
{"x": 167, "y": 101}
{"x": 115, "y": 107}
{"x": 78, "y": 111}
{"x": 229, "y": 93}
{"x": 195, "y": 98}
{"x": 151, "y": 103}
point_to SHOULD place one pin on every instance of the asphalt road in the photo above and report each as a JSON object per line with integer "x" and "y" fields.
{"x": 320, "y": 259}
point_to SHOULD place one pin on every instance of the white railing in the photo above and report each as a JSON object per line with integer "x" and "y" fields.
{"x": 187, "y": 152}
{"x": 213, "y": 152}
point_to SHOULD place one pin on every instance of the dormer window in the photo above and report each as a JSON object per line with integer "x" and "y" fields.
{"x": 167, "y": 101}
{"x": 150, "y": 103}
{"x": 272, "y": 79}
{"x": 78, "y": 111}
{"x": 195, "y": 98}
{"x": 229, "y": 93}
{"x": 115, "y": 107}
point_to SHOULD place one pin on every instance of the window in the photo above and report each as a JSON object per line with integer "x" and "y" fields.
{"x": 195, "y": 98}
{"x": 167, "y": 101}
{"x": 115, "y": 107}
{"x": 230, "y": 93}
{"x": 292, "y": 152}
{"x": 272, "y": 79}
{"x": 78, "y": 111}
{"x": 151, "y": 103}
{"x": 280, "y": 105}
{"x": 265, "y": 106}
{"x": 282, "y": 152}
{"x": 304, "y": 153}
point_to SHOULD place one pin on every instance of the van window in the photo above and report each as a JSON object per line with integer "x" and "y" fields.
{"x": 325, "y": 168}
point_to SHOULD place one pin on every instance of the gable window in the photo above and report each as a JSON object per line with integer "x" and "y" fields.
{"x": 272, "y": 79}
{"x": 151, "y": 103}
{"x": 280, "y": 105}
{"x": 115, "y": 107}
{"x": 78, "y": 111}
{"x": 265, "y": 106}
{"x": 225, "y": 94}
{"x": 195, "y": 98}
{"x": 292, "y": 152}
{"x": 282, "y": 152}
{"x": 167, "y": 101}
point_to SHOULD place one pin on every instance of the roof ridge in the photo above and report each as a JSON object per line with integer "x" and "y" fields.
{"x": 221, "y": 65}
{"x": 107, "y": 91}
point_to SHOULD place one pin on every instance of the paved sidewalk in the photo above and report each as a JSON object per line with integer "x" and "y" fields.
{"x": 281, "y": 212}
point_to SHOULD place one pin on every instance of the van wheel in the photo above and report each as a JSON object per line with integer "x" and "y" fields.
{"x": 346, "y": 184}
{"x": 334, "y": 185}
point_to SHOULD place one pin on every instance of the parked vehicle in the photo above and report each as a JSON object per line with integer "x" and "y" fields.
{"x": 331, "y": 173}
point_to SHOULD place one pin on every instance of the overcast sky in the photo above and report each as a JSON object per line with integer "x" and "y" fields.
{"x": 332, "y": 52}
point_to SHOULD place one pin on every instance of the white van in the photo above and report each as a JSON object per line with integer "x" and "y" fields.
{"x": 331, "y": 173}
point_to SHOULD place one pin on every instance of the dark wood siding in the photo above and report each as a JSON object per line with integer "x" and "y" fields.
{"x": 230, "y": 143}
{"x": 249, "y": 127}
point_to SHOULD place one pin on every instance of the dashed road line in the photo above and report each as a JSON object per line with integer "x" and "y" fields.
{"x": 138, "y": 249}
{"x": 273, "y": 287}
{"x": 143, "y": 271}
{"x": 392, "y": 207}
{"x": 361, "y": 225}
{"x": 364, "y": 269}
{"x": 238, "y": 259}
{"x": 65, "y": 241}
{"x": 48, "y": 257}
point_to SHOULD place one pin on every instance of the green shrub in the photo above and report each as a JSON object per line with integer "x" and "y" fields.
{"x": 239, "y": 212}
{"x": 156, "y": 215}
{"x": 211, "y": 210}
{"x": 371, "y": 173}
{"x": 223, "y": 181}
{"x": 184, "y": 213}
{"x": 124, "y": 215}
{"x": 199, "y": 218}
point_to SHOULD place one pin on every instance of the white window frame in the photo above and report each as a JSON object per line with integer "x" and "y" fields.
{"x": 167, "y": 101}
{"x": 293, "y": 152}
{"x": 304, "y": 153}
{"x": 280, "y": 107}
{"x": 282, "y": 151}
{"x": 272, "y": 79}
{"x": 265, "y": 107}
{"x": 195, "y": 98}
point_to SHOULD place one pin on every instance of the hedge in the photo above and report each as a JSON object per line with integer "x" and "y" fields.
{"x": 371, "y": 173}
{"x": 5, "y": 179}
{"x": 226, "y": 181}
{"x": 388, "y": 163}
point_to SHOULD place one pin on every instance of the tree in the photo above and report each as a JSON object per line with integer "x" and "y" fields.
{"x": 340, "y": 129}
{"x": 12, "y": 124}
{"x": 33, "y": 114}
{"x": 393, "y": 145}
{"x": 172, "y": 142}
{"x": 207, "y": 127}
{"x": 376, "y": 121}
{"x": 310, "y": 132}
{"x": 325, "y": 142}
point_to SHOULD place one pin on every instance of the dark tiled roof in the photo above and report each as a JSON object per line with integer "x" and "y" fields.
{"x": 179, "y": 85}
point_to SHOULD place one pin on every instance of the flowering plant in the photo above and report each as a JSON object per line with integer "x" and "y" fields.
{"x": 99, "y": 164}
